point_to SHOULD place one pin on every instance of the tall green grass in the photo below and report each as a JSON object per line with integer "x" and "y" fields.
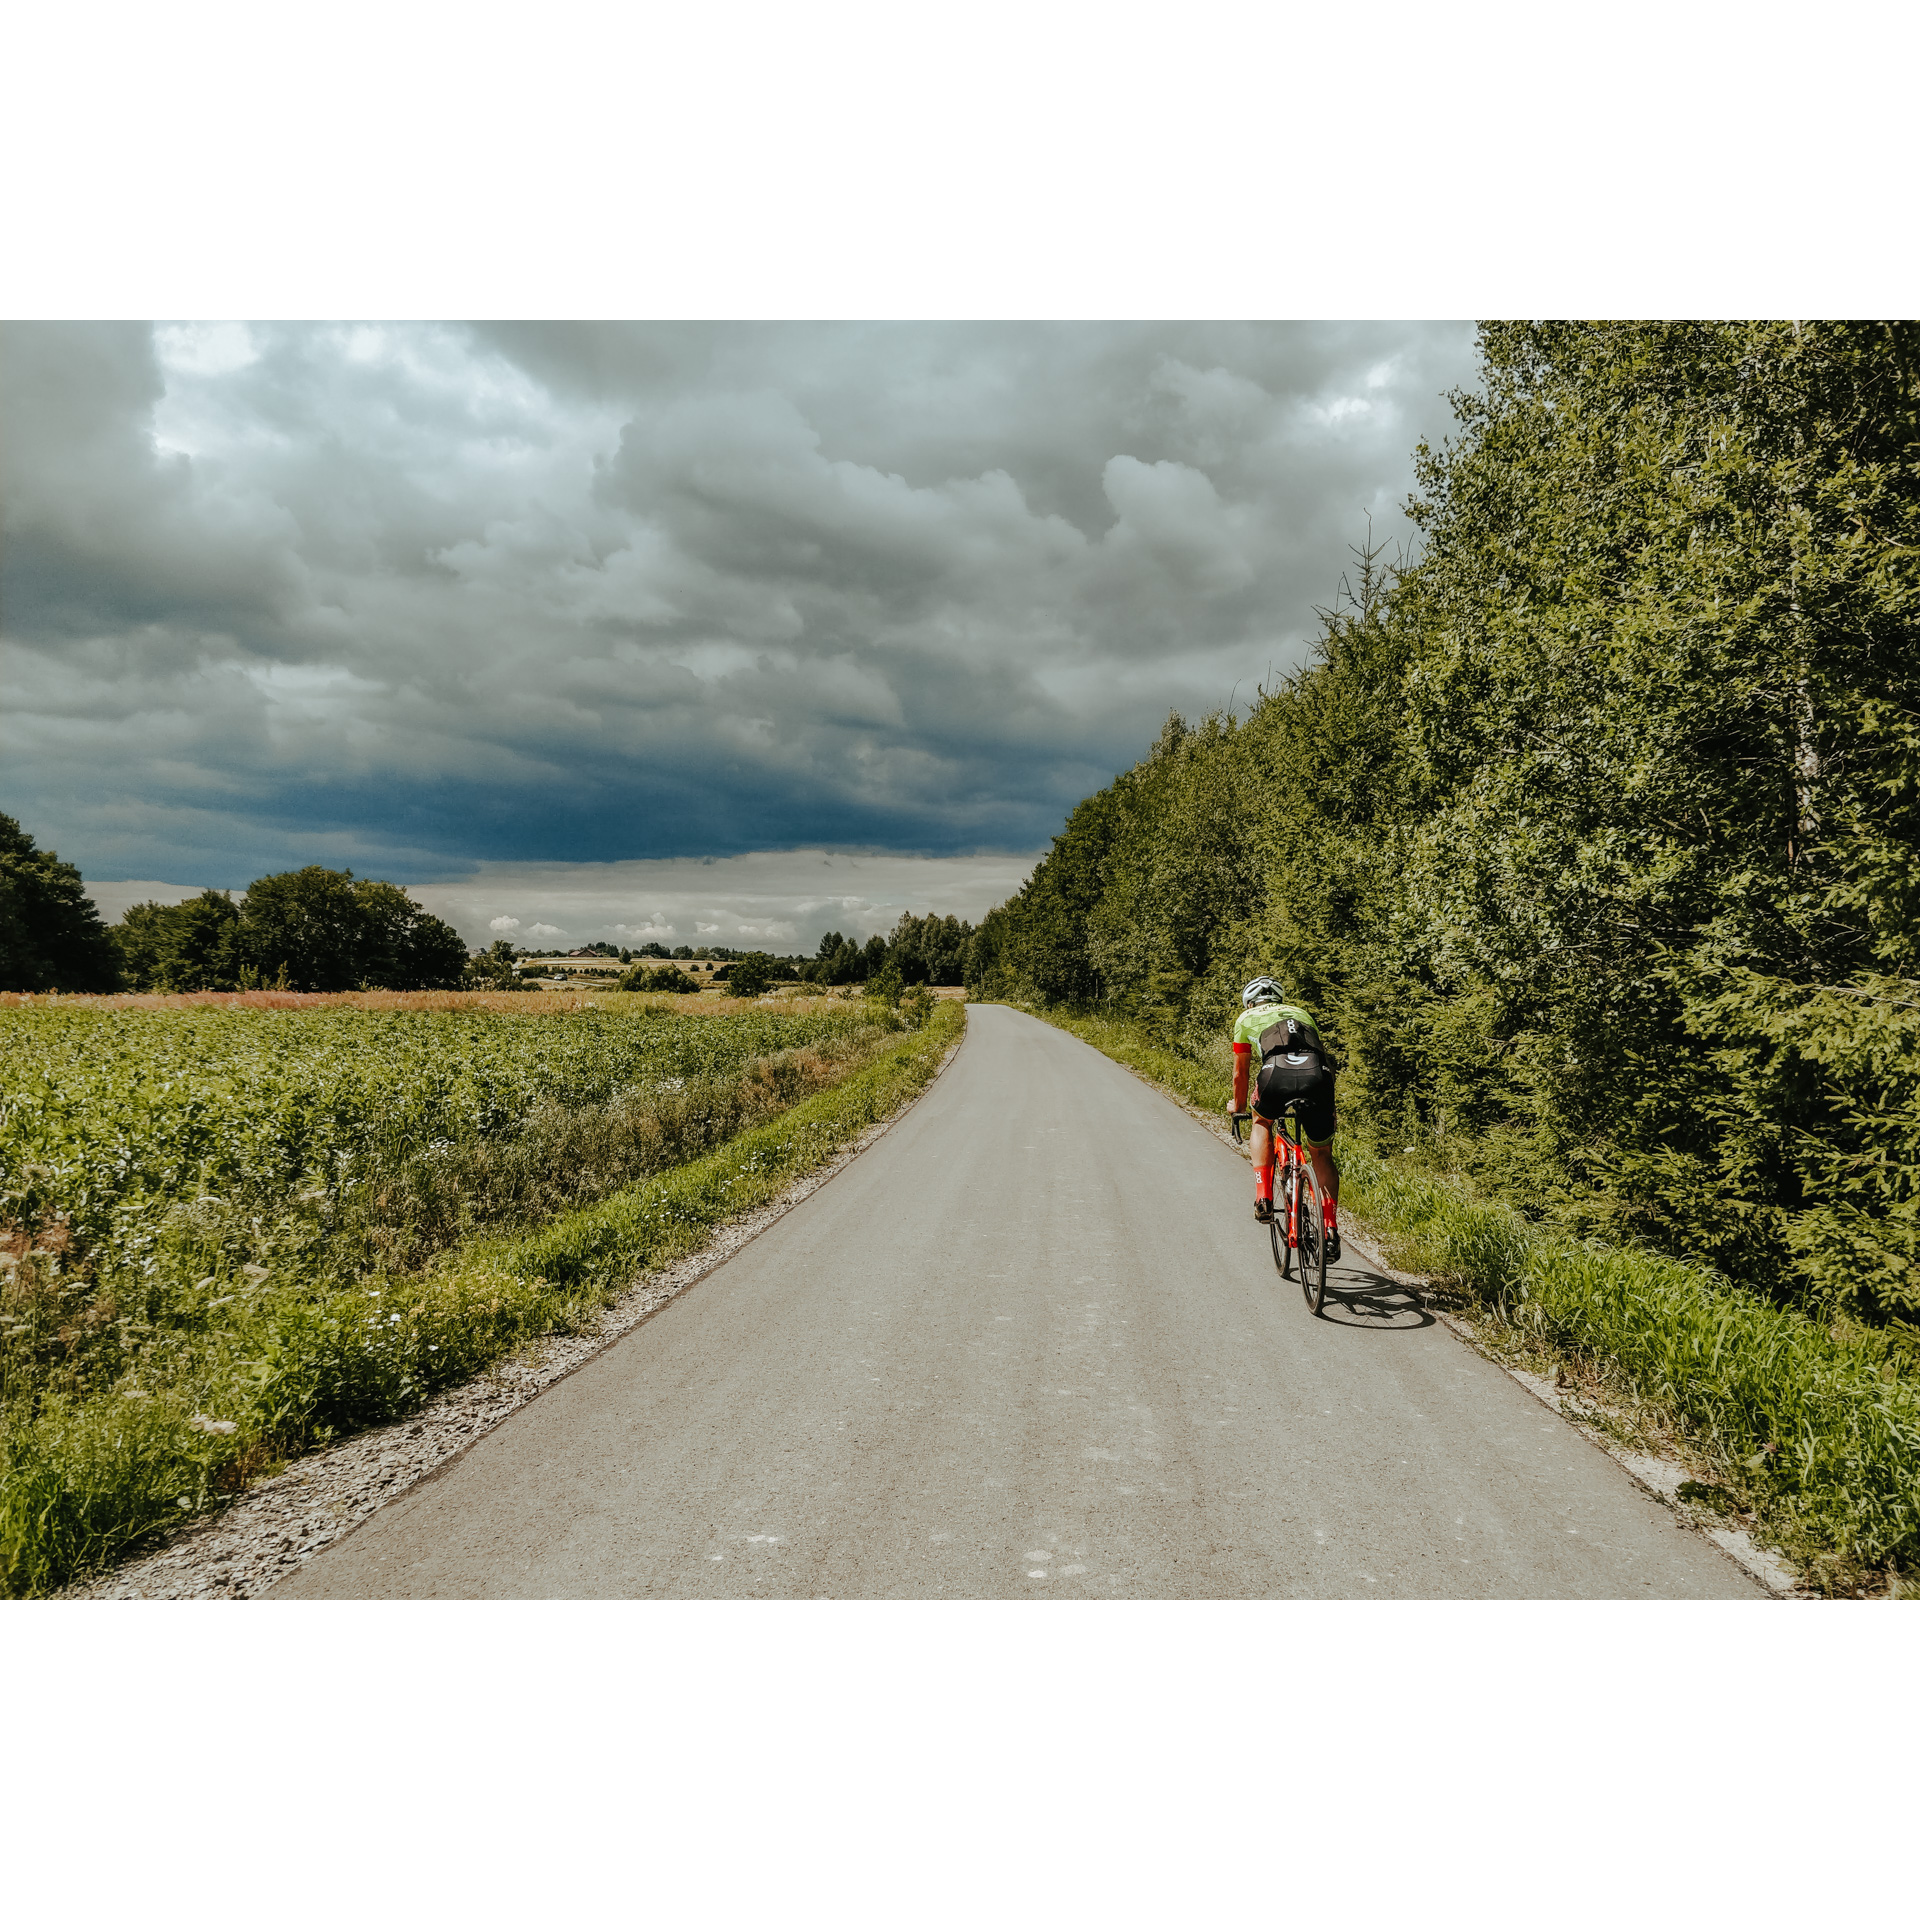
{"x": 1818, "y": 1432}
{"x": 91, "y": 1477}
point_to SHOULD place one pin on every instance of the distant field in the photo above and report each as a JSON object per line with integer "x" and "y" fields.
{"x": 564, "y": 997}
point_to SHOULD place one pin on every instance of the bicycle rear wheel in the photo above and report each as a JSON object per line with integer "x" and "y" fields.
{"x": 1312, "y": 1237}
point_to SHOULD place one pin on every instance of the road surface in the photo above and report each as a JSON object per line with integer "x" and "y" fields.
{"x": 1031, "y": 1344}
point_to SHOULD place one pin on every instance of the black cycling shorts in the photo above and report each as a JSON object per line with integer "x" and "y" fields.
{"x": 1315, "y": 1109}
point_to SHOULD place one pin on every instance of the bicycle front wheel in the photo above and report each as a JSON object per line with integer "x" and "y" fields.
{"x": 1312, "y": 1237}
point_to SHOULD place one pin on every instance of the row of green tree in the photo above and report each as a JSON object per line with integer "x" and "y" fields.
{"x": 314, "y": 930}
{"x": 1593, "y": 832}
{"x": 321, "y": 930}
{"x": 924, "y": 951}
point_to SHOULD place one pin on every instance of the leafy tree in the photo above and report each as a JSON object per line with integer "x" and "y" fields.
{"x": 140, "y": 940}
{"x": 402, "y": 946}
{"x": 638, "y": 979}
{"x": 51, "y": 935}
{"x": 186, "y": 948}
{"x": 750, "y": 976}
{"x": 932, "y": 949}
{"x": 324, "y": 932}
{"x": 304, "y": 926}
{"x": 492, "y": 971}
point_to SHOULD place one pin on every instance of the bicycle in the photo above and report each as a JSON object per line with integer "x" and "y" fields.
{"x": 1299, "y": 1222}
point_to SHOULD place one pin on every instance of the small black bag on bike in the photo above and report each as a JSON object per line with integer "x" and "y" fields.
{"x": 1293, "y": 1065}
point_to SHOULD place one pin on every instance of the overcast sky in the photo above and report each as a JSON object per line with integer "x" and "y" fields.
{"x": 459, "y": 606}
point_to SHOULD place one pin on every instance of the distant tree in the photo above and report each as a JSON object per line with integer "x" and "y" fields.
{"x": 682, "y": 953}
{"x": 493, "y": 971}
{"x": 403, "y": 946}
{"x": 140, "y": 939}
{"x": 304, "y": 926}
{"x": 198, "y": 954}
{"x": 932, "y": 950}
{"x": 50, "y": 932}
{"x": 751, "y": 975}
{"x": 823, "y": 967}
{"x": 322, "y": 931}
{"x": 653, "y": 950}
{"x": 638, "y": 979}
{"x": 989, "y": 969}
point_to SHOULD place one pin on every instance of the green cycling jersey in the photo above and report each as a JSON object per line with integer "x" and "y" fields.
{"x": 1256, "y": 1020}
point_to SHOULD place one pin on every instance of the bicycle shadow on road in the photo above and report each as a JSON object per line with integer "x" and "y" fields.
{"x": 1373, "y": 1302}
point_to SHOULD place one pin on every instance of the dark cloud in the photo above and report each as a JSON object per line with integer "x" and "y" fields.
{"x": 416, "y": 597}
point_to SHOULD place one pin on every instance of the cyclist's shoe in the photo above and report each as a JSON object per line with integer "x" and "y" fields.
{"x": 1333, "y": 1248}
{"x": 1263, "y": 1211}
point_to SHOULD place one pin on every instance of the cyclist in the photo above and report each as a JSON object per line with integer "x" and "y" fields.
{"x": 1264, "y": 1008}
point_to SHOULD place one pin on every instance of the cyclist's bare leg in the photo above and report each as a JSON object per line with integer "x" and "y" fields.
{"x": 1262, "y": 1157}
{"x": 1325, "y": 1171}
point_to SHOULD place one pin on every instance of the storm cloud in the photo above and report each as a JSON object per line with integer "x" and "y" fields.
{"x": 437, "y": 600}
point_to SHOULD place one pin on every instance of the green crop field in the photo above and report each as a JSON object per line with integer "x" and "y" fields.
{"x": 199, "y": 1205}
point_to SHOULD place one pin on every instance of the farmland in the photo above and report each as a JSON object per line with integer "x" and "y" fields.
{"x": 232, "y": 1229}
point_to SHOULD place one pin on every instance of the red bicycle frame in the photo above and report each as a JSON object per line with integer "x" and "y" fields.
{"x": 1289, "y": 1152}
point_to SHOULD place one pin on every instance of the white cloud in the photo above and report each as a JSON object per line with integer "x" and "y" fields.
{"x": 544, "y": 932}
{"x": 503, "y": 923}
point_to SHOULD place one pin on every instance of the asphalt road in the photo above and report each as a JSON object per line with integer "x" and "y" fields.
{"x": 1031, "y": 1344}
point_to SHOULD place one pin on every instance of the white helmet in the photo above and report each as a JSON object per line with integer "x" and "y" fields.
{"x": 1256, "y": 991}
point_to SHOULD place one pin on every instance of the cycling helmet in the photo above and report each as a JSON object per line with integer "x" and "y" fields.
{"x": 1256, "y": 991}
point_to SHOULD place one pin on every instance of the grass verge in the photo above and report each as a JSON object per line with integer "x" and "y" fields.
{"x": 91, "y": 1478}
{"x": 1816, "y": 1437}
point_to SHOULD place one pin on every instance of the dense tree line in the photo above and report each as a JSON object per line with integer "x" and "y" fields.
{"x": 1594, "y": 832}
{"x": 314, "y": 930}
{"x": 924, "y": 950}
{"x": 929, "y": 950}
